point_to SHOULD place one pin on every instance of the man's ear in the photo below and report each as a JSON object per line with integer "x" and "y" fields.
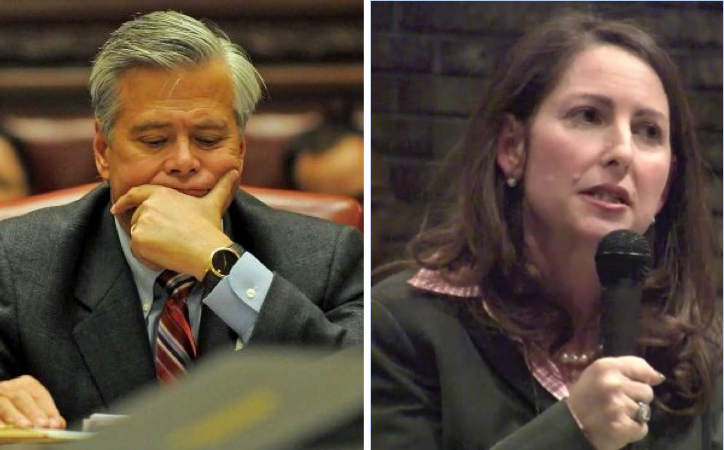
{"x": 100, "y": 151}
{"x": 511, "y": 147}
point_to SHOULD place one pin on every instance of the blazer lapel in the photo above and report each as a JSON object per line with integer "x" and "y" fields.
{"x": 505, "y": 356}
{"x": 112, "y": 337}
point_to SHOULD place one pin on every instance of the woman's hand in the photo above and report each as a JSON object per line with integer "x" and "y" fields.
{"x": 606, "y": 397}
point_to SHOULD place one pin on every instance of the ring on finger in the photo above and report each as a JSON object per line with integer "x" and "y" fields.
{"x": 643, "y": 413}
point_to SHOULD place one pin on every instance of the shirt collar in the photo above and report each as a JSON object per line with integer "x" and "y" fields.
{"x": 143, "y": 277}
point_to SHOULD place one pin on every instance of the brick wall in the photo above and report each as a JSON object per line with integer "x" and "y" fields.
{"x": 432, "y": 60}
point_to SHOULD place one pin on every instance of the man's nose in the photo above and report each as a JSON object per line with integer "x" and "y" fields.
{"x": 183, "y": 159}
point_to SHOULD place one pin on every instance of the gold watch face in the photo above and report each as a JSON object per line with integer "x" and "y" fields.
{"x": 222, "y": 261}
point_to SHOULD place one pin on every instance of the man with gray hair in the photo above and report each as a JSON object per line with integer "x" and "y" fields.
{"x": 167, "y": 261}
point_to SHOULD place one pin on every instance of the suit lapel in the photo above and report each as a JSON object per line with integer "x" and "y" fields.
{"x": 214, "y": 334}
{"x": 112, "y": 337}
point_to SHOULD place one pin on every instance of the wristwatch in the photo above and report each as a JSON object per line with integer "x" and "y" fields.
{"x": 222, "y": 260}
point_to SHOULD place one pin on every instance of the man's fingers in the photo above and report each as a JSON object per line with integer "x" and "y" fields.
{"x": 131, "y": 199}
{"x": 46, "y": 403}
{"x": 25, "y": 402}
{"x": 147, "y": 263}
{"x": 27, "y": 405}
{"x": 9, "y": 414}
{"x": 221, "y": 194}
{"x": 132, "y": 215}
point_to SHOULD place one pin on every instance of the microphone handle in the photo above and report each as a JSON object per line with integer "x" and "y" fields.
{"x": 621, "y": 303}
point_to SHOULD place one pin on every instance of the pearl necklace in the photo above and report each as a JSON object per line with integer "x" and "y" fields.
{"x": 579, "y": 359}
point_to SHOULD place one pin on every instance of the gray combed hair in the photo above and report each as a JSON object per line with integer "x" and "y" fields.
{"x": 169, "y": 40}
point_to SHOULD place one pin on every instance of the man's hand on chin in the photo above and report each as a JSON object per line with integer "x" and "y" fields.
{"x": 172, "y": 230}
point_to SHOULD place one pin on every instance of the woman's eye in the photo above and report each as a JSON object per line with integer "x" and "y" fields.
{"x": 650, "y": 132}
{"x": 587, "y": 115}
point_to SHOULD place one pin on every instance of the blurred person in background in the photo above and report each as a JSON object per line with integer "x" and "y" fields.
{"x": 327, "y": 159}
{"x": 493, "y": 340}
{"x": 16, "y": 178}
{"x": 167, "y": 261}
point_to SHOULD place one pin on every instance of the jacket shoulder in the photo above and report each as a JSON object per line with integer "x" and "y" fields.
{"x": 54, "y": 225}
{"x": 395, "y": 293}
{"x": 418, "y": 311}
{"x": 250, "y": 206}
{"x": 273, "y": 233}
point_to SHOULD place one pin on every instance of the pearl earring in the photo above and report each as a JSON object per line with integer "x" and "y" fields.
{"x": 511, "y": 182}
{"x": 653, "y": 220}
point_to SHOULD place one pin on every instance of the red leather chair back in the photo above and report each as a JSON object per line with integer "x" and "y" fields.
{"x": 335, "y": 208}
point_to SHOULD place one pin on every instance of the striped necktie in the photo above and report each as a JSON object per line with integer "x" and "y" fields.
{"x": 175, "y": 344}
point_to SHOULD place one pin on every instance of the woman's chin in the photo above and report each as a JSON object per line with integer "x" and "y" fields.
{"x": 596, "y": 231}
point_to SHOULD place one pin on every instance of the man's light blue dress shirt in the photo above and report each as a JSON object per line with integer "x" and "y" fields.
{"x": 237, "y": 298}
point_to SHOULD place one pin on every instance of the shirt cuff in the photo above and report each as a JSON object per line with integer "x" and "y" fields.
{"x": 238, "y": 298}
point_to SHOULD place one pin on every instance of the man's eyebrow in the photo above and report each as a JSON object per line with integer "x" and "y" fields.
{"x": 609, "y": 103}
{"x": 143, "y": 127}
{"x": 211, "y": 125}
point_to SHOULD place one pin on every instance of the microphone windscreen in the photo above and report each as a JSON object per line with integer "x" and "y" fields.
{"x": 622, "y": 254}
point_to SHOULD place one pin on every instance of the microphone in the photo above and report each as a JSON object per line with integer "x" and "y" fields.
{"x": 623, "y": 260}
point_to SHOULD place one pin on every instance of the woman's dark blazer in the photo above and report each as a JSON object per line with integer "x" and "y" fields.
{"x": 441, "y": 380}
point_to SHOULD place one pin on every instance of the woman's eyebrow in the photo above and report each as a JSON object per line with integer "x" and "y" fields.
{"x": 608, "y": 102}
{"x": 651, "y": 112}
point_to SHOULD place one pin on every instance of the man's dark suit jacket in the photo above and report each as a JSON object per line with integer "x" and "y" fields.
{"x": 70, "y": 315}
{"x": 442, "y": 380}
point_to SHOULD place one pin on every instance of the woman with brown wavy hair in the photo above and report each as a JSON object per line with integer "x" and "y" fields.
{"x": 493, "y": 341}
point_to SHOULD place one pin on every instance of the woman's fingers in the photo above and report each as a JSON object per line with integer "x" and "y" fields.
{"x": 606, "y": 400}
{"x": 638, "y": 369}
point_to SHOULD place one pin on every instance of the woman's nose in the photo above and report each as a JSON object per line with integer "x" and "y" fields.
{"x": 620, "y": 146}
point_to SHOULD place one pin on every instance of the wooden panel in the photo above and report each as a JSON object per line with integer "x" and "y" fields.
{"x": 312, "y": 77}
{"x": 81, "y": 10}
